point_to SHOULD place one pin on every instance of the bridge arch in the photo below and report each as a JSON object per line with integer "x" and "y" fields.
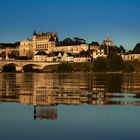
{"x": 51, "y": 67}
{"x": 9, "y": 67}
{"x": 46, "y": 66}
{"x": 19, "y": 64}
{"x": 10, "y": 63}
{"x": 31, "y": 67}
{"x": 33, "y": 64}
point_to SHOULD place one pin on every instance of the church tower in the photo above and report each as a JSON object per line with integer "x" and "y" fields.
{"x": 34, "y": 41}
{"x": 52, "y": 43}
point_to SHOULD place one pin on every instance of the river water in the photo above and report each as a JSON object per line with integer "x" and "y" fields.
{"x": 73, "y": 106}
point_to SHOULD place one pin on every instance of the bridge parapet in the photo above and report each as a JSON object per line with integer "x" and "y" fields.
{"x": 19, "y": 64}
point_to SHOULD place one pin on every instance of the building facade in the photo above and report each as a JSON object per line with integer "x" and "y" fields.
{"x": 46, "y": 42}
{"x": 25, "y": 47}
{"x": 46, "y": 47}
{"x": 131, "y": 57}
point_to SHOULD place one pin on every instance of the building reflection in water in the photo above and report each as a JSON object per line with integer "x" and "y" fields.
{"x": 45, "y": 112}
{"x": 46, "y": 91}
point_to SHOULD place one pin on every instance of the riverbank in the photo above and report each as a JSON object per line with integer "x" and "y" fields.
{"x": 87, "y": 67}
{"x": 66, "y": 67}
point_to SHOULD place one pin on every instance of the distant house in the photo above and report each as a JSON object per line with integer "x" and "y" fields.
{"x": 72, "y": 49}
{"x": 131, "y": 57}
{"x": 55, "y": 56}
{"x": 40, "y": 56}
{"x": 68, "y": 57}
{"x": 83, "y": 56}
{"x": 134, "y": 55}
{"x": 93, "y": 47}
{"x": 102, "y": 52}
{"x": 24, "y": 47}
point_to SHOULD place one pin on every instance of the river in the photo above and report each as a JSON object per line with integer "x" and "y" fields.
{"x": 74, "y": 106}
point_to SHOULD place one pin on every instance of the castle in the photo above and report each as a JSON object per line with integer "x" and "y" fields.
{"x": 47, "y": 47}
{"x": 46, "y": 44}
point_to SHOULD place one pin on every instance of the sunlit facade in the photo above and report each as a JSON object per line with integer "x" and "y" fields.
{"x": 46, "y": 42}
{"x": 48, "y": 45}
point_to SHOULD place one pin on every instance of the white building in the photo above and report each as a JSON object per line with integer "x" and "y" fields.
{"x": 131, "y": 57}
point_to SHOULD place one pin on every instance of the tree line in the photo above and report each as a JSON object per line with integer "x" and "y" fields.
{"x": 12, "y": 45}
{"x": 112, "y": 63}
{"x": 71, "y": 41}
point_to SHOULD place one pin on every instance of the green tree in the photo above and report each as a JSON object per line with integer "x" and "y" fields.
{"x": 79, "y": 41}
{"x": 64, "y": 67}
{"x": 14, "y": 54}
{"x": 122, "y": 49}
{"x": 129, "y": 52}
{"x": 67, "y": 41}
{"x": 11, "y": 45}
{"x": 86, "y": 67}
{"x": 115, "y": 63}
{"x": 95, "y": 43}
{"x": 100, "y": 64}
{"x": 128, "y": 67}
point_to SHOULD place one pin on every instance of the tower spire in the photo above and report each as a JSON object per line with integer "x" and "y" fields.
{"x": 34, "y": 33}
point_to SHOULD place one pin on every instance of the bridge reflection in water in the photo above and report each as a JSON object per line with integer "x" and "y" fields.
{"x": 46, "y": 91}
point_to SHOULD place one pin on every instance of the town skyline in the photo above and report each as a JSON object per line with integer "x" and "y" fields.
{"x": 91, "y": 20}
{"x": 17, "y": 42}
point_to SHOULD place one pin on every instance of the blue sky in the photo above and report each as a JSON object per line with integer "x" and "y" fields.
{"x": 92, "y": 20}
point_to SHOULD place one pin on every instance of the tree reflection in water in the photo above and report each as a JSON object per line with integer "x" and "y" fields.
{"x": 46, "y": 91}
{"x": 114, "y": 83}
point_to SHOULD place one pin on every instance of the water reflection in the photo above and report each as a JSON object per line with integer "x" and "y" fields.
{"x": 46, "y": 91}
{"x": 41, "y": 112}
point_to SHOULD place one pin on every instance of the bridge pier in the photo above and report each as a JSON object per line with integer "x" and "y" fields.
{"x": 1, "y": 69}
{"x": 19, "y": 69}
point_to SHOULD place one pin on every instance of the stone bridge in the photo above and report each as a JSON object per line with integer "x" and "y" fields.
{"x": 19, "y": 64}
